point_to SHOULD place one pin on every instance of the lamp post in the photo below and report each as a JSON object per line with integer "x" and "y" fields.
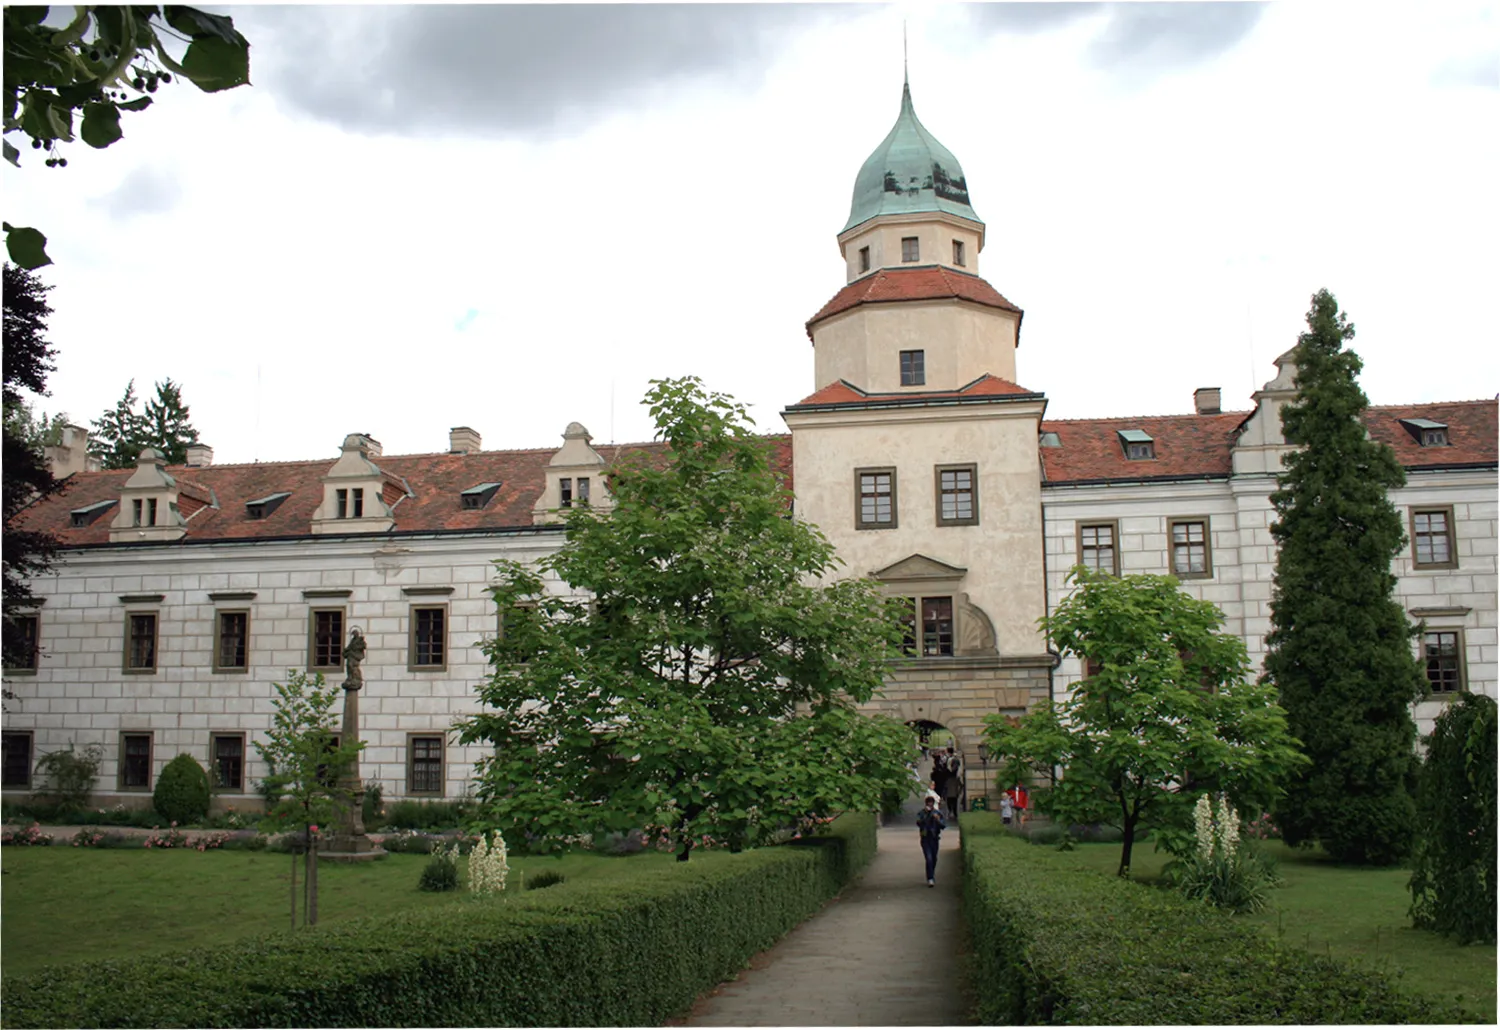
{"x": 984, "y": 764}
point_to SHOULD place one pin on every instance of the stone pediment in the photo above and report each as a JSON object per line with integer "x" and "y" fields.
{"x": 918, "y": 568}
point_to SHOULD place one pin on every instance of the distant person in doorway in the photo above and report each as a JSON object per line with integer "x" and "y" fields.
{"x": 930, "y": 827}
{"x": 953, "y": 786}
{"x": 939, "y": 772}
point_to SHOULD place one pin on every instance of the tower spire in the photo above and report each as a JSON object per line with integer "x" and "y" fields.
{"x": 905, "y": 71}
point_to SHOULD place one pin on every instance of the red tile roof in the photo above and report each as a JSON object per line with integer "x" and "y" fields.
{"x": 845, "y": 392}
{"x": 436, "y": 480}
{"x": 932, "y": 282}
{"x": 1201, "y": 445}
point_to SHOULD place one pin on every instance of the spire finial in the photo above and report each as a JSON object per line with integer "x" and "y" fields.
{"x": 905, "y": 74}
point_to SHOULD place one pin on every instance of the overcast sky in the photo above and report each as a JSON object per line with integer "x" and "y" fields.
{"x": 512, "y": 218}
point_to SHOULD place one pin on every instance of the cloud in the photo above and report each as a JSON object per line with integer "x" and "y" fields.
{"x": 144, "y": 191}
{"x": 1134, "y": 36}
{"x": 518, "y": 71}
{"x": 1478, "y": 71}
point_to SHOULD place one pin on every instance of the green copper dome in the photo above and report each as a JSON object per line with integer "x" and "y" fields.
{"x": 909, "y": 172}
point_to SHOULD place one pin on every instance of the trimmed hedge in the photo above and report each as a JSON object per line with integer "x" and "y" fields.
{"x": 630, "y": 953}
{"x": 1052, "y": 944}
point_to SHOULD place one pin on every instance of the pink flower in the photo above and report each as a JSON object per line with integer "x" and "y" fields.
{"x": 313, "y": 829}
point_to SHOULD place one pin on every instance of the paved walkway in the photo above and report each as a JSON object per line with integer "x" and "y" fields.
{"x": 886, "y": 952}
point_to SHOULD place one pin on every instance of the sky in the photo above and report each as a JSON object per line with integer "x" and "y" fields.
{"x": 514, "y": 217}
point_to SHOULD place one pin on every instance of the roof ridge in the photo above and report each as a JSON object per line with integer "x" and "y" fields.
{"x": 1123, "y": 418}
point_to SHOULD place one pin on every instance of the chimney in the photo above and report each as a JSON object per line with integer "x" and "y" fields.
{"x": 463, "y": 440}
{"x": 199, "y": 455}
{"x": 1206, "y": 400}
{"x": 71, "y": 453}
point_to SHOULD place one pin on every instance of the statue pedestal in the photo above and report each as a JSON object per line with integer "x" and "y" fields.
{"x": 344, "y": 847}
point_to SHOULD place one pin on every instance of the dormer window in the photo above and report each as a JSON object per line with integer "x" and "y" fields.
{"x": 476, "y": 497}
{"x": 88, "y": 513}
{"x": 264, "y": 506}
{"x": 143, "y": 511}
{"x": 565, "y": 492}
{"x": 864, "y": 259}
{"x": 1427, "y": 432}
{"x": 1138, "y": 446}
{"x": 958, "y": 253}
{"x": 582, "y": 494}
{"x": 351, "y": 503}
{"x": 910, "y": 251}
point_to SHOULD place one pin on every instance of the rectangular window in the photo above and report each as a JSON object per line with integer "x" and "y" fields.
{"x": 875, "y": 500}
{"x": 913, "y": 368}
{"x": 864, "y": 259}
{"x": 140, "y": 642}
{"x": 429, "y": 638}
{"x": 1434, "y": 438}
{"x": 15, "y": 760}
{"x": 424, "y": 764}
{"x": 26, "y": 649}
{"x": 135, "y": 761}
{"x": 582, "y": 494}
{"x": 1432, "y": 538}
{"x": 232, "y": 642}
{"x": 958, "y": 253}
{"x": 137, "y": 511}
{"x": 1096, "y": 547}
{"x": 359, "y": 502}
{"x": 937, "y": 626}
{"x": 909, "y": 626}
{"x": 1443, "y": 650}
{"x": 1190, "y": 558}
{"x": 325, "y": 638}
{"x": 957, "y": 495}
{"x": 909, "y": 249}
{"x": 227, "y": 761}
{"x": 565, "y": 493}
{"x": 343, "y": 503}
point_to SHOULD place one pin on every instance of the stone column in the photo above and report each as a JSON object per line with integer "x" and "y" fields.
{"x": 349, "y": 843}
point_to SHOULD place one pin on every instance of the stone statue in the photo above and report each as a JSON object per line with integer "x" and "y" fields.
{"x": 354, "y": 653}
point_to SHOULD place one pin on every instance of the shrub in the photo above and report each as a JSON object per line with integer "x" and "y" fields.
{"x": 633, "y": 951}
{"x": 426, "y": 815}
{"x": 407, "y": 842}
{"x": 31, "y": 837}
{"x": 182, "y": 793}
{"x": 1453, "y": 868}
{"x": 1053, "y": 944}
{"x": 441, "y": 871}
{"x": 92, "y": 838}
{"x": 1220, "y": 870}
{"x": 546, "y": 878}
{"x": 70, "y": 775}
{"x": 372, "y": 810}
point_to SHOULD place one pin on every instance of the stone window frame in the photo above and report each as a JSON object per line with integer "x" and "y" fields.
{"x": 412, "y": 737}
{"x": 937, "y": 485}
{"x": 1208, "y": 546}
{"x": 120, "y": 783}
{"x": 1450, "y": 533}
{"x": 958, "y": 253}
{"x": 911, "y": 254}
{"x": 1114, "y": 528}
{"x": 131, "y": 614}
{"x": 214, "y": 736}
{"x": 30, "y": 735}
{"x": 218, "y": 641}
{"x": 1461, "y": 655}
{"x": 864, "y": 259}
{"x": 859, "y": 496}
{"x": 913, "y": 367}
{"x": 411, "y": 637}
{"x": 34, "y": 660}
{"x": 349, "y": 502}
{"x": 312, "y": 635}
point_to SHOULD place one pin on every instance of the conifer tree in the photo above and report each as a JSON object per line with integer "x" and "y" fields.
{"x": 166, "y": 425}
{"x": 114, "y": 435}
{"x": 1340, "y": 650}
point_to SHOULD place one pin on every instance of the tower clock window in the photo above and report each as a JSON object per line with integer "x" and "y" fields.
{"x": 910, "y": 251}
{"x": 913, "y": 368}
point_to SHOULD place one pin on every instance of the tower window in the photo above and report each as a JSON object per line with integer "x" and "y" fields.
{"x": 957, "y": 501}
{"x": 909, "y": 249}
{"x": 913, "y": 368}
{"x": 958, "y": 253}
{"x": 864, "y": 259}
{"x": 875, "y": 499}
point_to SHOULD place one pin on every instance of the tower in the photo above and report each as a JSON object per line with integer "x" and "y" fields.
{"x": 917, "y": 453}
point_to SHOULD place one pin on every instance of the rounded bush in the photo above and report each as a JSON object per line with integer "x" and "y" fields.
{"x": 182, "y": 794}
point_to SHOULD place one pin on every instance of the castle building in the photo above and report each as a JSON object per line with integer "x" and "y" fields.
{"x": 184, "y": 593}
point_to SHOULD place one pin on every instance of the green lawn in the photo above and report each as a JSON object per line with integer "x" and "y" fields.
{"x": 1354, "y": 914}
{"x": 63, "y": 904}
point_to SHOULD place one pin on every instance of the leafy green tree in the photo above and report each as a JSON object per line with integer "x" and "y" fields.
{"x": 107, "y": 60}
{"x": 1340, "y": 648}
{"x": 1453, "y": 866}
{"x": 39, "y": 430}
{"x": 705, "y": 686}
{"x": 306, "y": 765}
{"x": 26, "y": 474}
{"x": 1165, "y": 716}
{"x": 121, "y": 433}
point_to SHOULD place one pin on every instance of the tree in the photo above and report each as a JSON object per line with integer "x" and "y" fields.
{"x": 1340, "y": 651}
{"x": 27, "y": 476}
{"x": 1453, "y": 866}
{"x": 121, "y": 433}
{"x": 92, "y": 66}
{"x": 1164, "y": 716}
{"x": 705, "y": 686}
{"x": 306, "y": 764}
{"x": 38, "y": 430}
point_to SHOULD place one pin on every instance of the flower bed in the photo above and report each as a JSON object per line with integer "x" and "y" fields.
{"x": 631, "y": 952}
{"x": 1053, "y": 944}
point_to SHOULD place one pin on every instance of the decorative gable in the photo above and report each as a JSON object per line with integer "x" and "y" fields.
{"x": 575, "y": 478}
{"x": 357, "y": 496}
{"x": 918, "y": 568}
{"x": 148, "y": 504}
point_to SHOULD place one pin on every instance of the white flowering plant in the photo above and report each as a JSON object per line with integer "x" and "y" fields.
{"x": 488, "y": 864}
{"x": 1220, "y": 870}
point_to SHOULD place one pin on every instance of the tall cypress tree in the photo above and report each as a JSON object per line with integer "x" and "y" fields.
{"x": 1340, "y": 648}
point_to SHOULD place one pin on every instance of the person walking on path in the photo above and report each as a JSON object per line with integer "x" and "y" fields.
{"x": 953, "y": 786}
{"x": 939, "y": 773}
{"x": 930, "y": 827}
